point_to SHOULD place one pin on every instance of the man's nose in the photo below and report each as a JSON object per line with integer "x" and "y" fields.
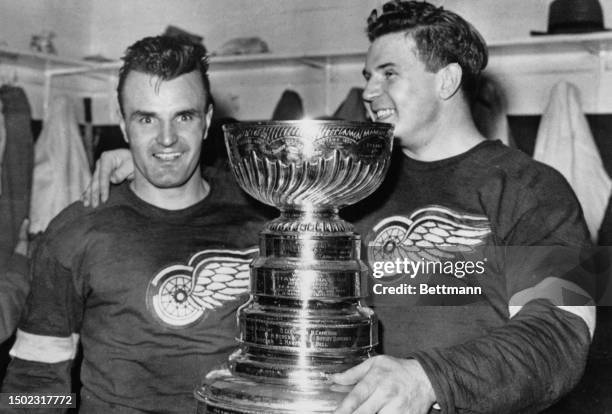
{"x": 371, "y": 90}
{"x": 167, "y": 135}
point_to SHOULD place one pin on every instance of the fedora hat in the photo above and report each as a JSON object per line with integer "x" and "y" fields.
{"x": 574, "y": 16}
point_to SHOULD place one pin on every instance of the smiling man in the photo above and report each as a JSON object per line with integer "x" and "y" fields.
{"x": 452, "y": 197}
{"x": 148, "y": 283}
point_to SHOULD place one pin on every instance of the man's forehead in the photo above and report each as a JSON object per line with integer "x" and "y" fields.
{"x": 147, "y": 89}
{"x": 156, "y": 81}
{"x": 390, "y": 49}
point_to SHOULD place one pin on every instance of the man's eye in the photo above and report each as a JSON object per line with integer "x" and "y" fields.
{"x": 389, "y": 74}
{"x": 145, "y": 120}
{"x": 186, "y": 117}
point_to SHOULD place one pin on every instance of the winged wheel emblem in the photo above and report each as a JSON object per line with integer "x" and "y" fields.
{"x": 432, "y": 233}
{"x": 180, "y": 295}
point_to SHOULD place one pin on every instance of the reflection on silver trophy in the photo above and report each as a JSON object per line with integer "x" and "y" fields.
{"x": 304, "y": 320}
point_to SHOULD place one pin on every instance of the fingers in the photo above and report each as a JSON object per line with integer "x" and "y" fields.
{"x": 92, "y": 193}
{"x": 112, "y": 167}
{"x": 386, "y": 385}
{"x": 102, "y": 181}
{"x": 393, "y": 408}
{"x": 381, "y": 402}
{"x": 23, "y": 230}
{"x": 124, "y": 171}
{"x": 23, "y": 242}
{"x": 361, "y": 400}
{"x": 86, "y": 196}
{"x": 353, "y": 375}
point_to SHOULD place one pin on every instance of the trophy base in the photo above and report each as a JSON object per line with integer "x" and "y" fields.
{"x": 225, "y": 393}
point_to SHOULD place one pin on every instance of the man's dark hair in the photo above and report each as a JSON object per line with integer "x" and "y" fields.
{"x": 166, "y": 57}
{"x": 441, "y": 36}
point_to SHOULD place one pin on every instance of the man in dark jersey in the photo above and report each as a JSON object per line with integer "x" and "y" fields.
{"x": 148, "y": 283}
{"x": 504, "y": 322}
{"x": 498, "y": 320}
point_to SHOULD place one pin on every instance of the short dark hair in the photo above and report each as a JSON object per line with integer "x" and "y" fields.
{"x": 441, "y": 36}
{"x": 166, "y": 57}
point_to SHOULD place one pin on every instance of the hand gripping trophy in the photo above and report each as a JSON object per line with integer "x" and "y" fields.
{"x": 304, "y": 320}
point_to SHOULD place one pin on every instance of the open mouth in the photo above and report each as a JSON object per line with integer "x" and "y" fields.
{"x": 383, "y": 114}
{"x": 167, "y": 156}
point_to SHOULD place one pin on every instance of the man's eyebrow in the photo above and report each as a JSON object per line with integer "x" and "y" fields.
{"x": 385, "y": 65}
{"x": 138, "y": 114}
{"x": 191, "y": 112}
{"x": 382, "y": 66}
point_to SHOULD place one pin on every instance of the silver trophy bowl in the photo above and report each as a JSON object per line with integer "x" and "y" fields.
{"x": 304, "y": 320}
{"x": 306, "y": 165}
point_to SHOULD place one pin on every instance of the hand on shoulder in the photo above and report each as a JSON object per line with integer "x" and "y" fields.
{"x": 113, "y": 167}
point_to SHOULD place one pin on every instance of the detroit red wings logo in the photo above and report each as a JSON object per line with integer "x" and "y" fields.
{"x": 180, "y": 295}
{"x": 432, "y": 234}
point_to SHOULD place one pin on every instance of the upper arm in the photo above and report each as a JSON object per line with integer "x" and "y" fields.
{"x": 48, "y": 331}
{"x": 548, "y": 252}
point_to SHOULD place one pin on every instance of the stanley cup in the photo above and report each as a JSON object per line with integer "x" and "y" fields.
{"x": 304, "y": 320}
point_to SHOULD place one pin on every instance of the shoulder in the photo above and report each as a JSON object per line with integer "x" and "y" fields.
{"x": 227, "y": 191}
{"x": 70, "y": 229}
{"x": 495, "y": 155}
{"x": 499, "y": 164}
{"x": 69, "y": 217}
{"x": 518, "y": 189}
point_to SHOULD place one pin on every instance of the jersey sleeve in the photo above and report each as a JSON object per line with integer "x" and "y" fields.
{"x": 548, "y": 252}
{"x": 522, "y": 367}
{"x": 14, "y": 290}
{"x": 47, "y": 336}
{"x": 540, "y": 353}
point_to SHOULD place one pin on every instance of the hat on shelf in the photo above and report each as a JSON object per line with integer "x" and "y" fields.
{"x": 175, "y": 31}
{"x": 573, "y": 17}
{"x": 289, "y": 107}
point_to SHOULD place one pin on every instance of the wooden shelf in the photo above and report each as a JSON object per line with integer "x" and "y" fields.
{"x": 594, "y": 43}
{"x": 273, "y": 59}
{"x": 42, "y": 60}
{"x": 52, "y": 66}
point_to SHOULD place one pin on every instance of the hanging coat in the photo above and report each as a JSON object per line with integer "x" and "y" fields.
{"x": 61, "y": 169}
{"x": 352, "y": 108}
{"x": 565, "y": 142}
{"x": 289, "y": 107}
{"x": 16, "y": 168}
{"x": 490, "y": 113}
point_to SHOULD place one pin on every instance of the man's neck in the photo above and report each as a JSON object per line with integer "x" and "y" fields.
{"x": 453, "y": 133}
{"x": 179, "y": 198}
{"x": 447, "y": 146}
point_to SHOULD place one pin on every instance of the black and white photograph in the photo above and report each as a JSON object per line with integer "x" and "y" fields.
{"x": 306, "y": 207}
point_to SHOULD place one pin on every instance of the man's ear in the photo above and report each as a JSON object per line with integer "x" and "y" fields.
{"x": 449, "y": 78}
{"x": 123, "y": 128}
{"x": 208, "y": 118}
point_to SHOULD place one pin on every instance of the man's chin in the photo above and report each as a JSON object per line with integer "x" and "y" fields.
{"x": 168, "y": 182}
{"x": 169, "y": 185}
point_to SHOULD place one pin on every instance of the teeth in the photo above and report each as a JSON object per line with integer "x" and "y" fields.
{"x": 383, "y": 113}
{"x": 167, "y": 156}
